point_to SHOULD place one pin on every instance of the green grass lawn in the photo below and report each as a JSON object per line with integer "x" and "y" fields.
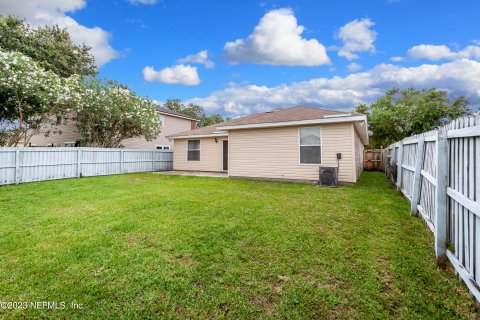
{"x": 151, "y": 246}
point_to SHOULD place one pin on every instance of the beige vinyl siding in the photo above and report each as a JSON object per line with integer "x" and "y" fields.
{"x": 274, "y": 153}
{"x": 57, "y": 135}
{"x": 171, "y": 125}
{"x": 359, "y": 153}
{"x": 69, "y": 133}
{"x": 210, "y": 155}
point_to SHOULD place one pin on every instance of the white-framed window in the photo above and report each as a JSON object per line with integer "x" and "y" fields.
{"x": 193, "y": 150}
{"x": 310, "y": 145}
{"x": 70, "y": 144}
{"x": 162, "y": 147}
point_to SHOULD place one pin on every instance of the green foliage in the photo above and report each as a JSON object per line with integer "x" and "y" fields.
{"x": 30, "y": 96}
{"x": 51, "y": 47}
{"x": 402, "y": 113}
{"x": 193, "y": 111}
{"x": 40, "y": 71}
{"x": 152, "y": 246}
{"x": 109, "y": 112}
{"x": 209, "y": 120}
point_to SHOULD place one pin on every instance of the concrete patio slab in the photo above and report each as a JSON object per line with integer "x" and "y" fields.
{"x": 195, "y": 173}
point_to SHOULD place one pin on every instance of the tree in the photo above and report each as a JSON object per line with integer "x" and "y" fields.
{"x": 30, "y": 96}
{"x": 193, "y": 111}
{"x": 51, "y": 47}
{"x": 109, "y": 113}
{"x": 209, "y": 120}
{"x": 402, "y": 113}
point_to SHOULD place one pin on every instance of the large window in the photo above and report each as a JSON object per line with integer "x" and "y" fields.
{"x": 310, "y": 145}
{"x": 193, "y": 150}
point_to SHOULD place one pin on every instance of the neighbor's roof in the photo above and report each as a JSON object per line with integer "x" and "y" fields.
{"x": 278, "y": 115}
{"x": 173, "y": 113}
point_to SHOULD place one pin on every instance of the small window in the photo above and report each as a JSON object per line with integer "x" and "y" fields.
{"x": 70, "y": 144}
{"x": 310, "y": 145}
{"x": 163, "y": 147}
{"x": 193, "y": 150}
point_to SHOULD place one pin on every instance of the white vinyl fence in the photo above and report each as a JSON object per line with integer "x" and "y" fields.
{"x": 439, "y": 173}
{"x": 19, "y": 165}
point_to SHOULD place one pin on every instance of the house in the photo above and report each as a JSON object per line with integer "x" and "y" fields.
{"x": 67, "y": 135}
{"x": 285, "y": 144}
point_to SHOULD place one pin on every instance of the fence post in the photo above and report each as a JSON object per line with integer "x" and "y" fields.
{"x": 417, "y": 175}
{"x": 121, "y": 160}
{"x": 441, "y": 197}
{"x": 399, "y": 166}
{"x": 388, "y": 163}
{"x": 79, "y": 162}
{"x": 17, "y": 165}
{"x": 153, "y": 160}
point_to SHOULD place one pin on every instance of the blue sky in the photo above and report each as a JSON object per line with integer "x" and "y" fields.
{"x": 342, "y": 57}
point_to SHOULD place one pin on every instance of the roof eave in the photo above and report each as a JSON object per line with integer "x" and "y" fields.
{"x": 176, "y": 115}
{"x": 192, "y": 136}
{"x": 329, "y": 120}
{"x": 362, "y": 128}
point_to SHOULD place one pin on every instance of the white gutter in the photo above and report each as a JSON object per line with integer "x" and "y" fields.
{"x": 341, "y": 119}
{"x": 215, "y": 134}
{"x": 296, "y": 123}
{"x": 338, "y": 115}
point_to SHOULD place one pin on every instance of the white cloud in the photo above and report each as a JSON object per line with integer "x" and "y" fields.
{"x": 461, "y": 77}
{"x": 430, "y": 52}
{"x": 199, "y": 58}
{"x": 177, "y": 74}
{"x": 439, "y": 52}
{"x": 356, "y": 37}
{"x": 142, "y": 1}
{"x": 354, "y": 67}
{"x": 397, "y": 59}
{"x": 277, "y": 40}
{"x": 53, "y": 12}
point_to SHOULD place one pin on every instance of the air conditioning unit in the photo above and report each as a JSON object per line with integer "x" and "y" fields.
{"x": 328, "y": 176}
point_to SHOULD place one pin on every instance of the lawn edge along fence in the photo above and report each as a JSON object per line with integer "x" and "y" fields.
{"x": 20, "y": 165}
{"x": 439, "y": 173}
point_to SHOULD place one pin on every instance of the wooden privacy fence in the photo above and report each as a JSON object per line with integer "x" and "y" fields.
{"x": 439, "y": 173}
{"x": 374, "y": 160}
{"x": 19, "y": 165}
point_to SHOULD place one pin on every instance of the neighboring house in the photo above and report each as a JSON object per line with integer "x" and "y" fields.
{"x": 286, "y": 144}
{"x": 67, "y": 135}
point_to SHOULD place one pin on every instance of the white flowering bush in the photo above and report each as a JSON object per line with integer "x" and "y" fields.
{"x": 108, "y": 113}
{"x": 32, "y": 95}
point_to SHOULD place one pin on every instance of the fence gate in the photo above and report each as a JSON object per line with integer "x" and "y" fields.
{"x": 374, "y": 160}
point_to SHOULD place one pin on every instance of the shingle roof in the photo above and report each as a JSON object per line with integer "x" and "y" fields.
{"x": 278, "y": 115}
{"x": 173, "y": 113}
